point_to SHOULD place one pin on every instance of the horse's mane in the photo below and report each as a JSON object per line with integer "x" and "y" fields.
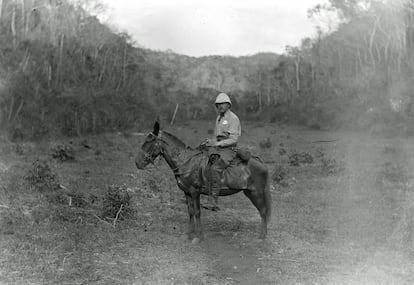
{"x": 176, "y": 141}
{"x": 182, "y": 153}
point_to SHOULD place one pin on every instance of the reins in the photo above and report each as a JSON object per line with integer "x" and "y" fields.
{"x": 150, "y": 159}
{"x": 177, "y": 168}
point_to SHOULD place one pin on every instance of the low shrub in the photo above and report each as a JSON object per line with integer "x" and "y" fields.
{"x": 297, "y": 159}
{"x": 279, "y": 174}
{"x": 41, "y": 177}
{"x": 63, "y": 153}
{"x": 332, "y": 166}
{"x": 117, "y": 203}
{"x": 282, "y": 151}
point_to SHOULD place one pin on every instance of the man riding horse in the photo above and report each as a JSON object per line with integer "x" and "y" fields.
{"x": 221, "y": 147}
{"x": 245, "y": 173}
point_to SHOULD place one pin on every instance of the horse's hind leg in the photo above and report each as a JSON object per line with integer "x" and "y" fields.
{"x": 197, "y": 213}
{"x": 259, "y": 202}
{"x": 191, "y": 211}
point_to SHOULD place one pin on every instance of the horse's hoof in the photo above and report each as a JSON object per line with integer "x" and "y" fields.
{"x": 211, "y": 208}
{"x": 215, "y": 208}
{"x": 195, "y": 240}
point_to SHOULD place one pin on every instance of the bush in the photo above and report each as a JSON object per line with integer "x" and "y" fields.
{"x": 332, "y": 166}
{"x": 117, "y": 203}
{"x": 296, "y": 159}
{"x": 70, "y": 198}
{"x": 279, "y": 174}
{"x": 63, "y": 153}
{"x": 41, "y": 177}
{"x": 282, "y": 151}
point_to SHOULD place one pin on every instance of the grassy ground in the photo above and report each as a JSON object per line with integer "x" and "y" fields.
{"x": 342, "y": 214}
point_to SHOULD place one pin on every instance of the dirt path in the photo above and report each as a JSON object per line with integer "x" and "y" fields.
{"x": 232, "y": 263}
{"x": 358, "y": 209}
{"x": 328, "y": 230}
{"x": 364, "y": 212}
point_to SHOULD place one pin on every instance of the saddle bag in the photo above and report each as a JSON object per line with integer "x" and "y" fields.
{"x": 243, "y": 153}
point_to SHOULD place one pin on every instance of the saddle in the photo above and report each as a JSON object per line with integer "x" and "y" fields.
{"x": 231, "y": 154}
{"x": 234, "y": 161}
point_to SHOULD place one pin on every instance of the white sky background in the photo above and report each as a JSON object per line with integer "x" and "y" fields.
{"x": 213, "y": 27}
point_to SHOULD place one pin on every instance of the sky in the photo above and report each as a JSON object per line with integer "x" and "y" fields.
{"x": 213, "y": 27}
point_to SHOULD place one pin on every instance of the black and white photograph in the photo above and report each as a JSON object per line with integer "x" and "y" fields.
{"x": 206, "y": 142}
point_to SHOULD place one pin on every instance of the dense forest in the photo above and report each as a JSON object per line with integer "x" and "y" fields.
{"x": 62, "y": 71}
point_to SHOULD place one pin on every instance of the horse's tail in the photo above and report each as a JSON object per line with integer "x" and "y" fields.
{"x": 268, "y": 198}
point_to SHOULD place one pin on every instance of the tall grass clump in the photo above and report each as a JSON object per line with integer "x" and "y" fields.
{"x": 117, "y": 203}
{"x": 41, "y": 177}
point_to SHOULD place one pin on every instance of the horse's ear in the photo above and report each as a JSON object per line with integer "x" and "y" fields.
{"x": 156, "y": 128}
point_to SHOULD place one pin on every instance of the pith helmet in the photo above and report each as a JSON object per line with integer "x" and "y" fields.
{"x": 223, "y": 98}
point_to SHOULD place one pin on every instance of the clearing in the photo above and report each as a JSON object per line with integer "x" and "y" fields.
{"x": 343, "y": 213}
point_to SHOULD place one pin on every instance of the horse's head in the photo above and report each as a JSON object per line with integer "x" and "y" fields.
{"x": 151, "y": 148}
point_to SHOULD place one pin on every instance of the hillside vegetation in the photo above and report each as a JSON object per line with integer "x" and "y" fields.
{"x": 64, "y": 72}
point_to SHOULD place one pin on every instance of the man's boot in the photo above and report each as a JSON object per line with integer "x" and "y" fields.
{"x": 214, "y": 185}
{"x": 214, "y": 190}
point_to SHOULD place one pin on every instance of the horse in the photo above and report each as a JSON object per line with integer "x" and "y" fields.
{"x": 191, "y": 179}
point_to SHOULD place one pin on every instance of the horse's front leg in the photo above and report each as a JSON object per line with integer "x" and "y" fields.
{"x": 195, "y": 195}
{"x": 191, "y": 226}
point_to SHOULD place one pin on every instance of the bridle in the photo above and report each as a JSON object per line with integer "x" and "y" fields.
{"x": 148, "y": 157}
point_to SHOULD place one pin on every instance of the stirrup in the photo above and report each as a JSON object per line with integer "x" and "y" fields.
{"x": 212, "y": 201}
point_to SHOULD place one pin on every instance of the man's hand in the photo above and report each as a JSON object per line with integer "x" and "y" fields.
{"x": 207, "y": 143}
{"x": 210, "y": 142}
